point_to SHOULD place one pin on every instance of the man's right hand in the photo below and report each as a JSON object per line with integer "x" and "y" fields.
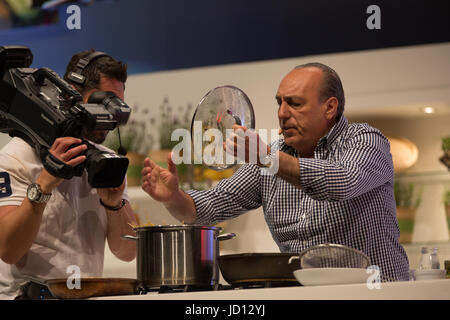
{"x": 160, "y": 183}
{"x": 60, "y": 149}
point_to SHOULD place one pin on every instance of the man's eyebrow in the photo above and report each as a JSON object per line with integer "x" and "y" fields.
{"x": 297, "y": 98}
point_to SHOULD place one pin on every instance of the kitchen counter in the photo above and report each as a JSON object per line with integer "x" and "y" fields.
{"x": 407, "y": 290}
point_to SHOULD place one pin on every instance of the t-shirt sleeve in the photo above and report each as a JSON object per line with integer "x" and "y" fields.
{"x": 14, "y": 180}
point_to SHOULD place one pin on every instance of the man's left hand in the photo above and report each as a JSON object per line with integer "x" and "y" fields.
{"x": 111, "y": 196}
{"x": 246, "y": 145}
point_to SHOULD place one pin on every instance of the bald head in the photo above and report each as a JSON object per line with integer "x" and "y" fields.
{"x": 330, "y": 85}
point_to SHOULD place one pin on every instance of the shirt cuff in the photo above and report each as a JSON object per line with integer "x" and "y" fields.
{"x": 203, "y": 207}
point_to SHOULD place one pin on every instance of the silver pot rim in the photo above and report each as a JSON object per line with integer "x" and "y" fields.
{"x": 160, "y": 228}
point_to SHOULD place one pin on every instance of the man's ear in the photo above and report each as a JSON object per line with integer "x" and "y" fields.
{"x": 331, "y": 107}
{"x": 84, "y": 95}
{"x": 87, "y": 94}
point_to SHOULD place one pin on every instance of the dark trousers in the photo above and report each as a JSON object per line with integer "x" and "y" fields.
{"x": 34, "y": 291}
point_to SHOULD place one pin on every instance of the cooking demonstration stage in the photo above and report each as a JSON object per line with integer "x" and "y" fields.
{"x": 119, "y": 289}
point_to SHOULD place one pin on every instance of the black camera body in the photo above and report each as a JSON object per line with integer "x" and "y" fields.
{"x": 39, "y": 106}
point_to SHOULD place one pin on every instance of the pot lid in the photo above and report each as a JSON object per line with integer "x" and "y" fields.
{"x": 219, "y": 110}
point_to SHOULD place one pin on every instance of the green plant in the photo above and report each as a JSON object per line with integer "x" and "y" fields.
{"x": 146, "y": 131}
{"x": 445, "y": 159}
{"x": 171, "y": 119}
{"x": 136, "y": 135}
{"x": 446, "y": 144}
{"x": 406, "y": 195}
{"x": 447, "y": 198}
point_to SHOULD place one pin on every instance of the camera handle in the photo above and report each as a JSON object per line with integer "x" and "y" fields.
{"x": 45, "y": 73}
{"x": 58, "y": 168}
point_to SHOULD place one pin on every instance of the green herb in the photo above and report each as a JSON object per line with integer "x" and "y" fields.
{"x": 407, "y": 196}
{"x": 136, "y": 135}
{"x": 145, "y": 129}
{"x": 447, "y": 198}
{"x": 446, "y": 144}
{"x": 170, "y": 120}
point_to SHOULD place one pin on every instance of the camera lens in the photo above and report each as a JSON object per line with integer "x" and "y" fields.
{"x": 105, "y": 169}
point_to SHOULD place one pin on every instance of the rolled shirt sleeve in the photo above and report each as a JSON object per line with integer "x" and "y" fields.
{"x": 230, "y": 198}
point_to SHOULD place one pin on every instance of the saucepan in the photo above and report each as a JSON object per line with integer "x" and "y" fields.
{"x": 249, "y": 268}
{"x": 177, "y": 255}
{"x": 92, "y": 287}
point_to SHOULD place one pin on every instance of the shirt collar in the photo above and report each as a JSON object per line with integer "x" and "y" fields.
{"x": 328, "y": 139}
{"x": 335, "y": 132}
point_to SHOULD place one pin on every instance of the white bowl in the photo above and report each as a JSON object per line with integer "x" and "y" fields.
{"x": 430, "y": 274}
{"x": 330, "y": 276}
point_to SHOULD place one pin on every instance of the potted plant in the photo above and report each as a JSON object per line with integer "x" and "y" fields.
{"x": 168, "y": 120}
{"x": 447, "y": 206}
{"x": 407, "y": 199}
{"x": 445, "y": 159}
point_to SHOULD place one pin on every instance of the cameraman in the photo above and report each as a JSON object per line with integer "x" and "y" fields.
{"x": 41, "y": 240}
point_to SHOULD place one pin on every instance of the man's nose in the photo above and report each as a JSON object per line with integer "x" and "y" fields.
{"x": 283, "y": 110}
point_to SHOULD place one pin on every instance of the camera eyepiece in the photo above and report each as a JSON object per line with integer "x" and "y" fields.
{"x": 120, "y": 111}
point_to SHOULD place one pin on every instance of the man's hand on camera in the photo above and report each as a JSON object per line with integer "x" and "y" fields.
{"x": 62, "y": 150}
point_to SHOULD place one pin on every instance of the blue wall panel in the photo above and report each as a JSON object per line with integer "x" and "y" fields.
{"x": 155, "y": 35}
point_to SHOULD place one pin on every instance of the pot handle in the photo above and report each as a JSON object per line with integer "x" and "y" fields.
{"x": 293, "y": 258}
{"x": 128, "y": 237}
{"x": 226, "y": 236}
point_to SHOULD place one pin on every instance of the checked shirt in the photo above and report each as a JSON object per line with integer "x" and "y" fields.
{"x": 347, "y": 197}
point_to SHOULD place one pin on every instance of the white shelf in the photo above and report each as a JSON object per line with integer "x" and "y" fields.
{"x": 136, "y": 193}
{"x": 431, "y": 177}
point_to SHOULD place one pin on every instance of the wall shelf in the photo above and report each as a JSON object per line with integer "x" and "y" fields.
{"x": 427, "y": 177}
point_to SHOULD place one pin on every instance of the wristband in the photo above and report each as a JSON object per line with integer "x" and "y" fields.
{"x": 122, "y": 203}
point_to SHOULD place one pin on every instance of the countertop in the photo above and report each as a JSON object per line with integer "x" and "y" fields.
{"x": 406, "y": 290}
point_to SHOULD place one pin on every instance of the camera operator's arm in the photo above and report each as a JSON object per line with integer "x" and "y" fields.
{"x": 19, "y": 225}
{"x": 118, "y": 222}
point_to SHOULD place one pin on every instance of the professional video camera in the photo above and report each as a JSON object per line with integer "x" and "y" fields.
{"x": 38, "y": 106}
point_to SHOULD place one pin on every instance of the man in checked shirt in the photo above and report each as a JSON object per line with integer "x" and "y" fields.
{"x": 334, "y": 182}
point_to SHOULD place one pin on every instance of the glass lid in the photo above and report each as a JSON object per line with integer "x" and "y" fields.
{"x": 217, "y": 112}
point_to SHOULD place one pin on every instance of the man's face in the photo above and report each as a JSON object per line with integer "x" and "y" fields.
{"x": 301, "y": 115}
{"x": 106, "y": 84}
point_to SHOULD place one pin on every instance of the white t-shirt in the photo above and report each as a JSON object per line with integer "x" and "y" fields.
{"x": 73, "y": 227}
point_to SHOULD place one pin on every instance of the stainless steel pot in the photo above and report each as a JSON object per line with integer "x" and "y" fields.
{"x": 177, "y": 255}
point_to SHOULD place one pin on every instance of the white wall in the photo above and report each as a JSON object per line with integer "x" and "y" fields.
{"x": 4, "y": 138}
{"x": 371, "y": 79}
